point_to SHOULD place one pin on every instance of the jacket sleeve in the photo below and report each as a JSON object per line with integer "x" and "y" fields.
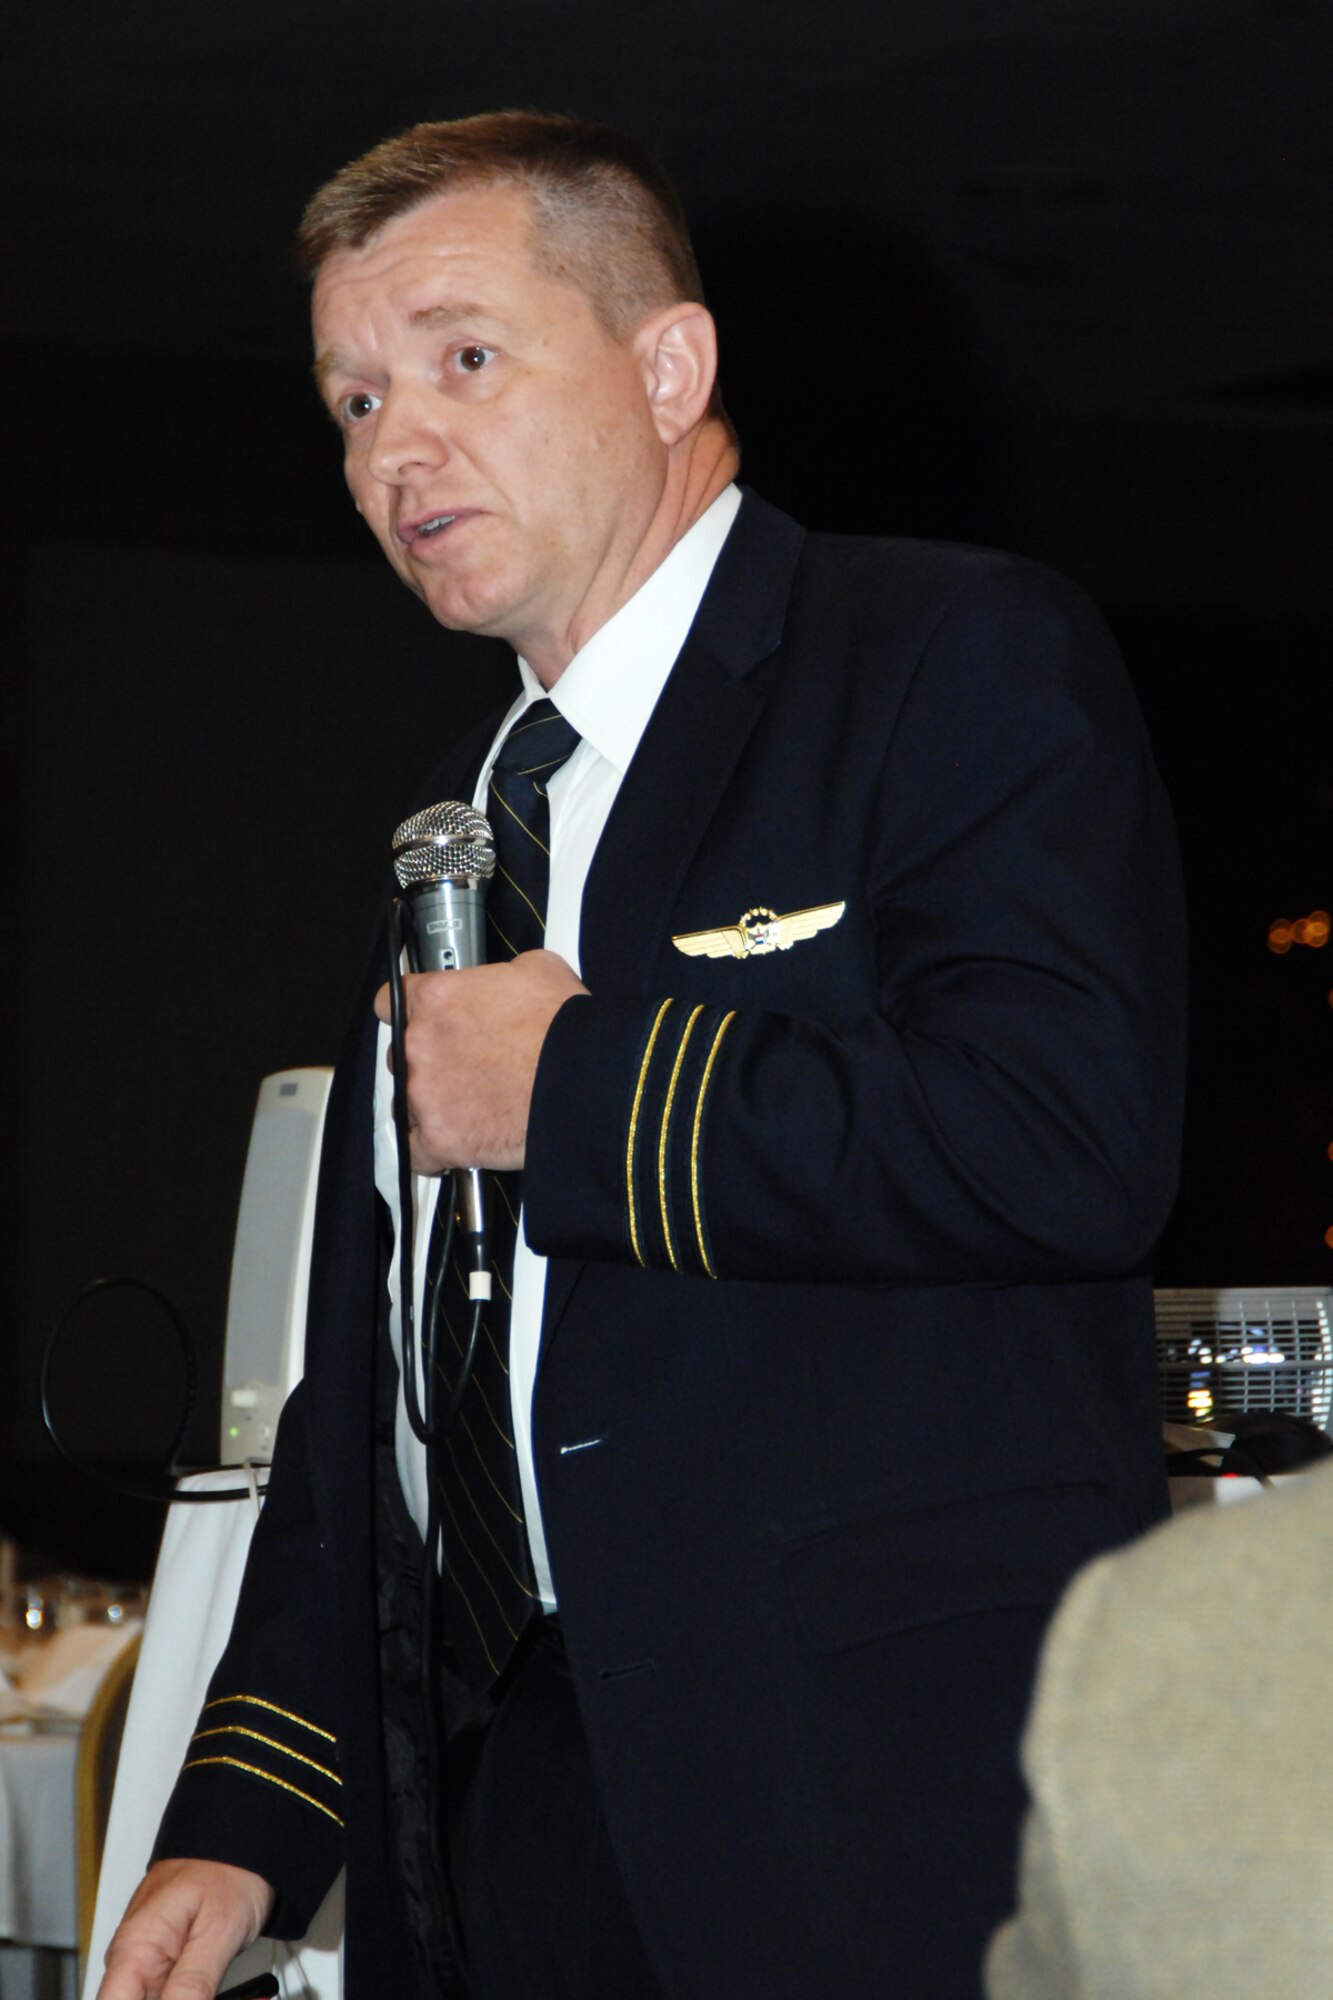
{"x": 1005, "y": 1105}
{"x": 260, "y": 1786}
{"x": 1034, "y": 1956}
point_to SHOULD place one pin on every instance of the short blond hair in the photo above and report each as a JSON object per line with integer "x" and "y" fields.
{"x": 605, "y": 216}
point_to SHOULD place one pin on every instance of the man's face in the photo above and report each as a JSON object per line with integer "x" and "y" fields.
{"x": 498, "y": 441}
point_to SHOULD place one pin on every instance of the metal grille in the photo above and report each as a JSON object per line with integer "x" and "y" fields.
{"x": 447, "y": 842}
{"x": 1223, "y": 1352}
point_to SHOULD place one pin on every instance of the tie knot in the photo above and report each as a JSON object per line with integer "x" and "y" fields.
{"x": 537, "y": 745}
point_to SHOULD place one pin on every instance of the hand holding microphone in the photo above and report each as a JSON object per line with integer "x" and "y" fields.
{"x": 472, "y": 1047}
{"x": 475, "y": 1030}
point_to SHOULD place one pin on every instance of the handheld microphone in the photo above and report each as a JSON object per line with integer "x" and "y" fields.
{"x": 443, "y": 858}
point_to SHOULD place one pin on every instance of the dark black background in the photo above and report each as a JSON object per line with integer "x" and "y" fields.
{"x": 1051, "y": 276}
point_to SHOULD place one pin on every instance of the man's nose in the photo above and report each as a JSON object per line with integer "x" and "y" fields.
{"x": 409, "y": 434}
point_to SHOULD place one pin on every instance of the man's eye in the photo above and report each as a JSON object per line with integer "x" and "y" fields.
{"x": 359, "y": 404}
{"x": 471, "y": 359}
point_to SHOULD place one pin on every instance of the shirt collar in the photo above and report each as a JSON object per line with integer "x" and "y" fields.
{"x": 611, "y": 686}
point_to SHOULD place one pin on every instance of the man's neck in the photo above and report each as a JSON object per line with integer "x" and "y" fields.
{"x": 702, "y": 468}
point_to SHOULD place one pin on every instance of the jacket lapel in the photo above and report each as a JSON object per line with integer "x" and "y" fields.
{"x": 708, "y": 709}
{"x": 696, "y": 735}
{"x": 707, "y": 712}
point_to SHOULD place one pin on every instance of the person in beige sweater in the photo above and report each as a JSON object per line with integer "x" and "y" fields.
{"x": 1179, "y": 1756}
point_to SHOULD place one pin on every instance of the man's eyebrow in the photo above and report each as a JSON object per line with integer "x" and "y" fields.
{"x": 325, "y": 365}
{"x": 436, "y": 317}
{"x": 450, "y": 315}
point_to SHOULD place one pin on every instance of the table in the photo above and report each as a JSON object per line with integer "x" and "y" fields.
{"x": 38, "y": 1897}
{"x": 32, "y": 1972}
{"x": 50, "y": 1683}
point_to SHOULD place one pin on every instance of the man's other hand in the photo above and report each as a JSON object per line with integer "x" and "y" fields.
{"x": 473, "y": 1039}
{"x": 185, "y": 1924}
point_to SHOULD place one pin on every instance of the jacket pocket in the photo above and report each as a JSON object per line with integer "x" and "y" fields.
{"x": 988, "y": 1552}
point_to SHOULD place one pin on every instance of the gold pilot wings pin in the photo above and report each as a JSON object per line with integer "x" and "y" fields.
{"x": 760, "y": 930}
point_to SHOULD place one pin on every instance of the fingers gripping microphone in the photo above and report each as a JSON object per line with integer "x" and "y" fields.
{"x": 443, "y": 858}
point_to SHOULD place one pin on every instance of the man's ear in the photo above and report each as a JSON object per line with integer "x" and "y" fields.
{"x": 677, "y": 351}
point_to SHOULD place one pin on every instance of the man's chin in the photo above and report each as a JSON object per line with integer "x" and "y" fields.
{"x": 480, "y": 613}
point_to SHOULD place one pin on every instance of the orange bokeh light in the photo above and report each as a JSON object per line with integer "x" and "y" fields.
{"x": 1313, "y": 931}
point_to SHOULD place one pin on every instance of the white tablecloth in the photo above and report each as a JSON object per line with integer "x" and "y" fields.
{"x": 190, "y": 1610}
{"x": 57, "y": 1677}
{"x": 45, "y": 1692}
{"x": 38, "y": 1900}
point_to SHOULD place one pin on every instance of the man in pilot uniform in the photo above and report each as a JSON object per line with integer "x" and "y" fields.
{"x": 845, "y": 1095}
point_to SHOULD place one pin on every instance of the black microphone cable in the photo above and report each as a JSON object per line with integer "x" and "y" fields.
{"x": 422, "y": 858}
{"x": 443, "y": 857}
{"x": 112, "y": 1481}
{"x": 420, "y": 1409}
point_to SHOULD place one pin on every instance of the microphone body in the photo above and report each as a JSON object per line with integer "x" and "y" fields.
{"x": 448, "y": 924}
{"x": 443, "y": 858}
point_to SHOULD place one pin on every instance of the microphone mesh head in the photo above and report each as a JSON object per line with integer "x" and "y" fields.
{"x": 444, "y": 843}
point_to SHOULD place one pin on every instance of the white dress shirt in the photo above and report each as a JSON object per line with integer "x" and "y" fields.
{"x": 608, "y": 692}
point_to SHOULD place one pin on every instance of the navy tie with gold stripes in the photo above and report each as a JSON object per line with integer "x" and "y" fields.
{"x": 491, "y": 1590}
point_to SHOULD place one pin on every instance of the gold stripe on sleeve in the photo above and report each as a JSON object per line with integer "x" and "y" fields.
{"x": 255, "y": 1701}
{"x": 644, "y": 1067}
{"x": 271, "y": 1743}
{"x": 235, "y": 1763}
{"x": 694, "y": 1140}
{"x": 664, "y": 1133}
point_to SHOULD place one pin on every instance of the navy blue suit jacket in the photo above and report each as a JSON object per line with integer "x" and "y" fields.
{"x": 846, "y": 1309}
